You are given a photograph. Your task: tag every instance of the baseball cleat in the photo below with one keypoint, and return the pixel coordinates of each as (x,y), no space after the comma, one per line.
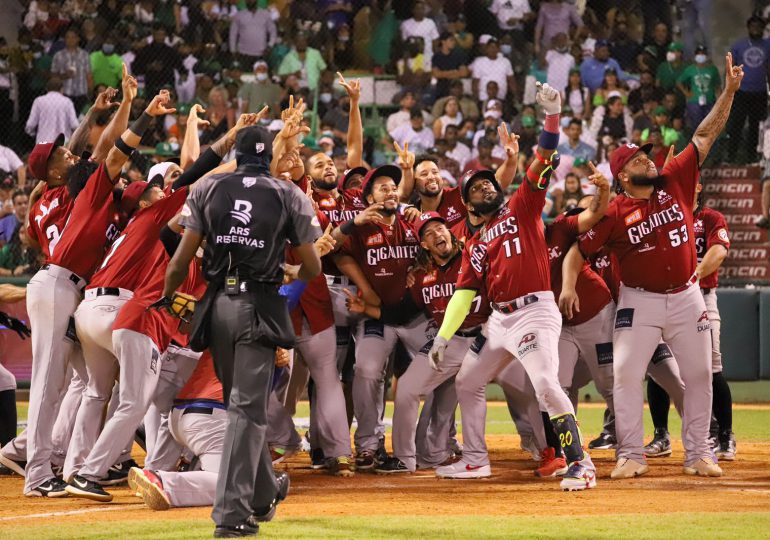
(268,513)
(118,473)
(150,487)
(605,441)
(578,478)
(86,489)
(529,444)
(317,459)
(462,470)
(456,447)
(250,527)
(365,460)
(279,455)
(340,466)
(381,455)
(53,488)
(727,448)
(392,465)
(550,465)
(628,468)
(660,445)
(19,467)
(703,467)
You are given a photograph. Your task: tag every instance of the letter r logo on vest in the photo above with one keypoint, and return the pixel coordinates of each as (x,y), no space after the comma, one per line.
(241,211)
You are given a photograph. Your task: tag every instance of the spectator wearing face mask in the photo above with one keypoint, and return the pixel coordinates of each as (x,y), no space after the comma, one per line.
(668,72)
(559,60)
(262,91)
(555,17)
(106,65)
(341,50)
(700,83)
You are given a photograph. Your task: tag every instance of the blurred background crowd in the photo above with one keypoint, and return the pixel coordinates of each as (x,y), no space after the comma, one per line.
(444,74)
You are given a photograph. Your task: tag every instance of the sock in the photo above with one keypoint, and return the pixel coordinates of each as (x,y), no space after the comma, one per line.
(659,403)
(7,416)
(550,435)
(566,427)
(722,405)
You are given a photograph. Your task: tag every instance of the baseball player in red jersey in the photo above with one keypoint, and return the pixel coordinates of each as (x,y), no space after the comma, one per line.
(448,202)
(384,245)
(509,257)
(651,227)
(712,243)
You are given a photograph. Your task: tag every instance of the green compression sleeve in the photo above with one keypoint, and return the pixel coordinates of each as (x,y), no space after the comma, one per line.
(459,306)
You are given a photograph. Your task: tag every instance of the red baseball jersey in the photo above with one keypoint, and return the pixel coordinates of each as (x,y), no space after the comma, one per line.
(653,238)
(432,291)
(509,255)
(710,230)
(385,254)
(605,264)
(452,207)
(463,231)
(591,290)
(315,304)
(48,216)
(203,384)
(138,252)
(337,210)
(90,228)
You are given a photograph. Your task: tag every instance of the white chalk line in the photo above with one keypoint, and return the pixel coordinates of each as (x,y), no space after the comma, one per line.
(70,512)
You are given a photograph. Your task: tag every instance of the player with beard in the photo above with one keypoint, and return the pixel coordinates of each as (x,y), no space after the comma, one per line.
(449,202)
(384,245)
(650,226)
(509,258)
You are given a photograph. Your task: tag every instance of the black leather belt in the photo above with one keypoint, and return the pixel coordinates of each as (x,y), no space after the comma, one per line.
(510,307)
(470,332)
(706,290)
(198,410)
(74,278)
(254,286)
(107,291)
(337,280)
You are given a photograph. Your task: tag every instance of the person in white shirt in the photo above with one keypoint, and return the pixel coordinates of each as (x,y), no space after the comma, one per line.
(422,27)
(559,61)
(10,162)
(51,114)
(415,133)
(492,67)
(401,117)
(510,13)
(455,149)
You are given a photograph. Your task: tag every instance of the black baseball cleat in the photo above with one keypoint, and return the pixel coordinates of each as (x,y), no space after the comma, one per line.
(365,460)
(53,488)
(604,441)
(392,465)
(19,467)
(660,446)
(267,513)
(86,489)
(381,456)
(726,447)
(248,528)
(118,473)
(317,459)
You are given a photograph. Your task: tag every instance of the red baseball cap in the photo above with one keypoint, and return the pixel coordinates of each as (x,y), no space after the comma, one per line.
(389,171)
(426,218)
(348,174)
(129,201)
(41,153)
(623,155)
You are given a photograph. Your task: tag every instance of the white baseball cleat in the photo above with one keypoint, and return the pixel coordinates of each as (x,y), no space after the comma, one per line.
(462,470)
(703,467)
(628,468)
(578,478)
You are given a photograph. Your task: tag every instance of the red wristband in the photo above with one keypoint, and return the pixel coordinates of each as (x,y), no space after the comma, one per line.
(551,123)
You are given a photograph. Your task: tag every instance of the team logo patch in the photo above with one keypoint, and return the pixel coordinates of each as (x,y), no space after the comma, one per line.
(408,234)
(478,344)
(604,353)
(259,147)
(241,211)
(633,217)
(249,181)
(554,253)
(624,318)
(663,197)
(722,234)
(527,344)
(662,353)
(703,323)
(374,328)
(375,239)
(429,278)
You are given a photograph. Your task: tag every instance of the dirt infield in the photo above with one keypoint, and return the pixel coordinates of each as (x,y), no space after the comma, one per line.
(513,490)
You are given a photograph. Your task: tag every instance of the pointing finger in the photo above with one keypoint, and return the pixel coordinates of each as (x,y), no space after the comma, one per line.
(593,167)
(328,229)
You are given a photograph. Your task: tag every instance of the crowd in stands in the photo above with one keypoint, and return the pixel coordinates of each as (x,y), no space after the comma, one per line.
(639,71)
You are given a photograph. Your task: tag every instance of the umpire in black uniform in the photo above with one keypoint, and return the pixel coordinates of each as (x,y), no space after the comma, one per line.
(246,219)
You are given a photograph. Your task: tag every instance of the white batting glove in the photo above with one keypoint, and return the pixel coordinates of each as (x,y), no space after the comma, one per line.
(436,354)
(548,98)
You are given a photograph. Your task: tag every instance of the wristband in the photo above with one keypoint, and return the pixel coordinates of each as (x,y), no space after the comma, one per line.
(548,140)
(141,124)
(348,227)
(124,147)
(551,123)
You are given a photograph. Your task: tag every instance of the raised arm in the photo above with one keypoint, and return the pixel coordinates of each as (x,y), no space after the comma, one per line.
(507,171)
(711,126)
(591,215)
(406,162)
(369,215)
(355,126)
(79,139)
(550,100)
(191,145)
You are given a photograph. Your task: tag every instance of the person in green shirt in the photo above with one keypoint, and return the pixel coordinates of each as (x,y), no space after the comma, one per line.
(106,65)
(304,62)
(668,72)
(668,134)
(700,84)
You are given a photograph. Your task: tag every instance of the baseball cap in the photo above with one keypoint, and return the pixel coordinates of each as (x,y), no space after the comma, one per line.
(159,169)
(183,109)
(164,149)
(349,174)
(41,153)
(467,179)
(254,141)
(260,63)
(660,109)
(623,154)
(700,49)
(445,35)
(326,139)
(675,46)
(426,218)
(601,43)
(133,192)
(486,38)
(579,162)
(389,171)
